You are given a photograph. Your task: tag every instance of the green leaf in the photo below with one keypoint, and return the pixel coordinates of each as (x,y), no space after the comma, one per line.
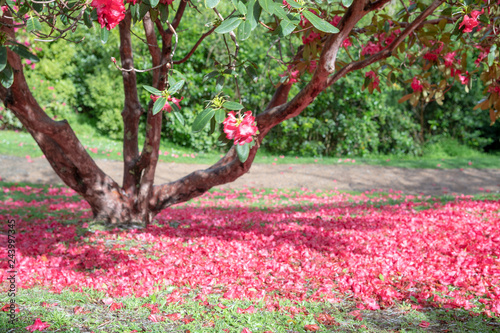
(202,119)
(381,277)
(253,15)
(241,8)
(7,77)
(220,115)
(492,54)
(243,152)
(152,90)
(213,125)
(33,24)
(159,104)
(287,27)
(3,57)
(319,24)
(279,11)
(143,10)
(250,70)
(245,30)
(176,87)
(177,113)
(232,106)
(23,51)
(104,35)
(347,3)
(163,12)
(267,5)
(37,6)
(210,75)
(211,3)
(220,83)
(228,25)
(87,20)
(296,5)
(154,3)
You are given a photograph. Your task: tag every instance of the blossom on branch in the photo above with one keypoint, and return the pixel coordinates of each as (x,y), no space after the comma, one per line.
(109,12)
(372,75)
(416,85)
(471,22)
(240,129)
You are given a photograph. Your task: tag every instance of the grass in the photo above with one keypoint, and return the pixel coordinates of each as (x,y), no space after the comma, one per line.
(209,317)
(445,155)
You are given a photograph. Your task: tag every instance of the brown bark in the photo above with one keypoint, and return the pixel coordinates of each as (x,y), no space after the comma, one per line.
(131,111)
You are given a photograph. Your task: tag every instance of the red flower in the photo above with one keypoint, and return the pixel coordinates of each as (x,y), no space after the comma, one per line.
(311,38)
(167,2)
(109,12)
(416,85)
(374,77)
(464,79)
(115,306)
(449,58)
(241,130)
(37,325)
(371,48)
(471,22)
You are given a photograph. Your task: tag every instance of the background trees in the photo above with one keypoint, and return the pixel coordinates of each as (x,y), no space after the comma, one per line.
(420,49)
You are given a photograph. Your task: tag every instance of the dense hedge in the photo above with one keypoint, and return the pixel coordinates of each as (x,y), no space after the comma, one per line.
(78,82)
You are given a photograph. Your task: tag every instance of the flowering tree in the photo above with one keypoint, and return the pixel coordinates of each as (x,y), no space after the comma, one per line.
(428,45)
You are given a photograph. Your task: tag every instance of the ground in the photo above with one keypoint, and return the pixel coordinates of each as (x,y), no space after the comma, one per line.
(343,177)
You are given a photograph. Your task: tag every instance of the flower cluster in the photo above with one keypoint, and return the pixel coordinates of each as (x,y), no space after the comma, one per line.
(372,75)
(382,42)
(240,129)
(168,107)
(416,85)
(109,12)
(469,23)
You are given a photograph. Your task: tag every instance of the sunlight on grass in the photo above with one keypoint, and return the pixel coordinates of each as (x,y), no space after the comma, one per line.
(22,144)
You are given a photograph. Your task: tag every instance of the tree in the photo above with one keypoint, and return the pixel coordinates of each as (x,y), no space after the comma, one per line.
(333,39)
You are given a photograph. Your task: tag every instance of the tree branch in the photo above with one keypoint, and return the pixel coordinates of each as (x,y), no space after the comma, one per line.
(387,52)
(205,35)
(131,110)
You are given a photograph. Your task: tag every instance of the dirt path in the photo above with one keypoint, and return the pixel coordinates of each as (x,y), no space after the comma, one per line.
(312,176)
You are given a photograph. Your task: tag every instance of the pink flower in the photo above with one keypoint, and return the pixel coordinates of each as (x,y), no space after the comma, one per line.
(311,37)
(38,325)
(241,130)
(336,20)
(449,58)
(372,75)
(109,12)
(481,57)
(471,22)
(347,42)
(416,85)
(292,75)
(371,48)
(464,79)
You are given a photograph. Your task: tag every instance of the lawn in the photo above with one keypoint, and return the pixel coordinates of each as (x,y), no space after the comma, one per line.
(22,144)
(257,261)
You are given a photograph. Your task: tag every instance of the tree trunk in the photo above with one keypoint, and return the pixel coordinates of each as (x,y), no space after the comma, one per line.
(138,200)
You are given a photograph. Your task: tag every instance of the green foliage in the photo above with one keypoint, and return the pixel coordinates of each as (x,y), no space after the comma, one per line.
(78,82)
